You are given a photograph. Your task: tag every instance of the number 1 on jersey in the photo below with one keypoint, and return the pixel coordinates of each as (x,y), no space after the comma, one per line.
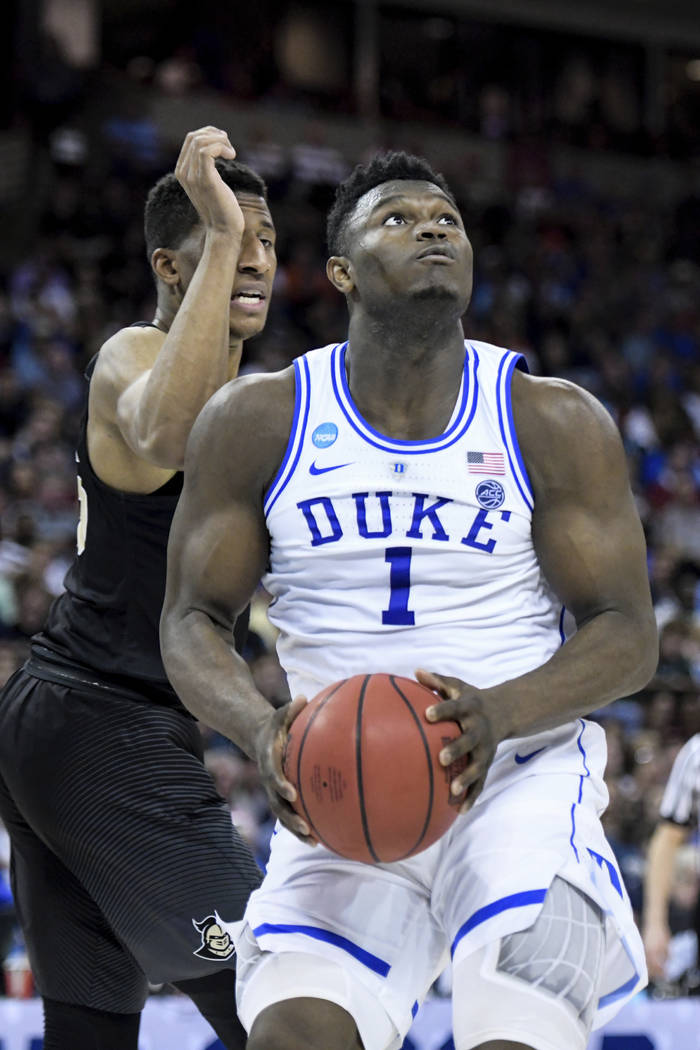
(399,560)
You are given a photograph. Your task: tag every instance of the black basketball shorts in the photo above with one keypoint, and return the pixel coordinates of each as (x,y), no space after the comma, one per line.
(125,865)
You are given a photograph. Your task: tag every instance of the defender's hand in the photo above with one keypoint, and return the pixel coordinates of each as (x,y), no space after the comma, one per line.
(196,172)
(271,743)
(463,703)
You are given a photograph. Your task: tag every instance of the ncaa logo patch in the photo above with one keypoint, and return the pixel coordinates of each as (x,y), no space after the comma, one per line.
(490,494)
(324,435)
(217,942)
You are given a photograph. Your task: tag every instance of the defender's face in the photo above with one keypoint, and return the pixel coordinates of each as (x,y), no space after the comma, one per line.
(257,262)
(408,240)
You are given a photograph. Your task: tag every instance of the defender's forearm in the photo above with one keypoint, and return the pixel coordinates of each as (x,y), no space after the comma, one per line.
(195,359)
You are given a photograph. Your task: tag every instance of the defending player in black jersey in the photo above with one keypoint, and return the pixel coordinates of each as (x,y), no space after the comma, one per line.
(126,868)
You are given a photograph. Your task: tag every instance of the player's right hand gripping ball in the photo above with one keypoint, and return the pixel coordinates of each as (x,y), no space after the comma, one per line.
(364,761)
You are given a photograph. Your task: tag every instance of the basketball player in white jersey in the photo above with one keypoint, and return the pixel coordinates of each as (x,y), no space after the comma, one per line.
(411,501)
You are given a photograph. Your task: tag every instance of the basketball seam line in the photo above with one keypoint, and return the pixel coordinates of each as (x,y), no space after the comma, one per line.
(431,776)
(358,764)
(301,748)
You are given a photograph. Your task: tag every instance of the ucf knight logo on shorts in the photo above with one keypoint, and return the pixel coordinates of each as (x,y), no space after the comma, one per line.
(217,942)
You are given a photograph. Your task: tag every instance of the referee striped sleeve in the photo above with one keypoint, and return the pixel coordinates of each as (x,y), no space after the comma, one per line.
(682,794)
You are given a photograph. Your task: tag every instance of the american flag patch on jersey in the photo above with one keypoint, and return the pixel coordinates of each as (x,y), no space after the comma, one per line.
(485,463)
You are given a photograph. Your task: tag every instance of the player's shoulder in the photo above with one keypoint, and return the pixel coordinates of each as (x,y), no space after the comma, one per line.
(125,355)
(566,435)
(250,417)
(264,397)
(551,407)
(134,338)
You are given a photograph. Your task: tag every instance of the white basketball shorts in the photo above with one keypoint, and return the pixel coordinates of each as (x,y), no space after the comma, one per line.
(392,928)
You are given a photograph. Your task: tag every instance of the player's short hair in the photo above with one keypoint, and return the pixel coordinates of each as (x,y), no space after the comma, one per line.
(384,167)
(169,215)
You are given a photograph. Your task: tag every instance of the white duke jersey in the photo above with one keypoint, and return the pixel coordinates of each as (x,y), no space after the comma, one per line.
(388,555)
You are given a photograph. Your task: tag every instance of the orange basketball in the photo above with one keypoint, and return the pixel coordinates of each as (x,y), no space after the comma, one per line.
(364,761)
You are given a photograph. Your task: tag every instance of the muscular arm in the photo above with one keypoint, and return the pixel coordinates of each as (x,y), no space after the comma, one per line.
(661,856)
(590,545)
(217,553)
(155,411)
(149,386)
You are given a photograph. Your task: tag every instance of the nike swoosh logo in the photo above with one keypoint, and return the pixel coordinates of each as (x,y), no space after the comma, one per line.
(520,759)
(313,469)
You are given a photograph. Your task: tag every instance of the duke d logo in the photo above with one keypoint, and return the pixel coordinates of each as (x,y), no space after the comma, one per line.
(217,942)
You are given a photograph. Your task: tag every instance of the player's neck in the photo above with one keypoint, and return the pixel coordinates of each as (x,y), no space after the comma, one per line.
(160,322)
(405,343)
(407,389)
(163,317)
(235,351)
(406,327)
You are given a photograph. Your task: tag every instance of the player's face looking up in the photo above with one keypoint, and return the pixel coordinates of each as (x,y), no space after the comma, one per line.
(257,262)
(406,240)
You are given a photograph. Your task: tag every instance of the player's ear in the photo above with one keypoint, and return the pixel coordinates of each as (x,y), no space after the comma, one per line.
(340,273)
(164,265)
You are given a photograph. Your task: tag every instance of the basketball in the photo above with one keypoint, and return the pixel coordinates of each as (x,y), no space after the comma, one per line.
(364,761)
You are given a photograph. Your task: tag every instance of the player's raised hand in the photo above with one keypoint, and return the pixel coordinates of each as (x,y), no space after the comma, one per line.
(463,703)
(196,172)
(270,748)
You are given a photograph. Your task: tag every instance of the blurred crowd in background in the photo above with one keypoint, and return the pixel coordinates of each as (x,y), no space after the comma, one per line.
(600,289)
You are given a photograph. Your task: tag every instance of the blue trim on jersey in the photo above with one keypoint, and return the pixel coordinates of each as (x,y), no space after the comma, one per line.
(372,962)
(620,992)
(562,635)
(573,831)
(627,987)
(302,399)
(507,426)
(612,871)
(414,1009)
(456,430)
(583,756)
(581,779)
(511,421)
(514,900)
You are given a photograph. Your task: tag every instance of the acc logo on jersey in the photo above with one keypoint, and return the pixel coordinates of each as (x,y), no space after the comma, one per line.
(490,494)
(324,435)
(216,939)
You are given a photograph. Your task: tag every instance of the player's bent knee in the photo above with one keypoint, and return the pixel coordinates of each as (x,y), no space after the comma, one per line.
(537,988)
(304,1024)
(291,999)
(500,1045)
